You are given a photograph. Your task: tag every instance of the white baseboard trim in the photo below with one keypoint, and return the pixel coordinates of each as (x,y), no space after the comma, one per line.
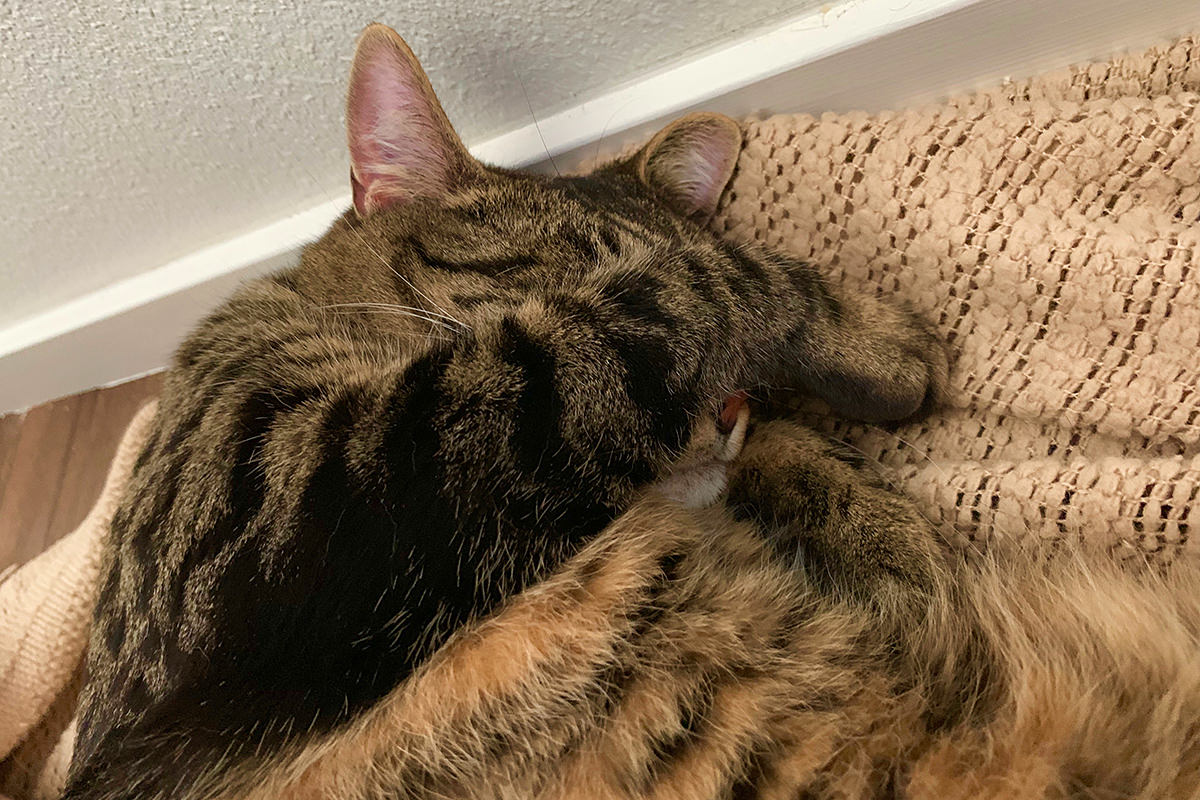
(859,54)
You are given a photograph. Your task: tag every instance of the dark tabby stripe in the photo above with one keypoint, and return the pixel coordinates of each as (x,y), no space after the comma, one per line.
(483,266)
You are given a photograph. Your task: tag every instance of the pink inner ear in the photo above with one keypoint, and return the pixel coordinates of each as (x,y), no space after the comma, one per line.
(400,145)
(703,171)
(693,162)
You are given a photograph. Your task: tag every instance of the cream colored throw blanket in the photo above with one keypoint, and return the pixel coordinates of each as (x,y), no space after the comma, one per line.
(1051,230)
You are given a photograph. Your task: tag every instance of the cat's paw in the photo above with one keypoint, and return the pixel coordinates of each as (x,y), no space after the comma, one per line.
(922,364)
(897,367)
(875,362)
(856,537)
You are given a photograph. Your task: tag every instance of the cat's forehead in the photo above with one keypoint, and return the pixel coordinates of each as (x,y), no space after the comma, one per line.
(511,202)
(507,209)
(610,189)
(610,195)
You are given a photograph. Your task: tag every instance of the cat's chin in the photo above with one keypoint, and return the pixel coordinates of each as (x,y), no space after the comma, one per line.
(700,477)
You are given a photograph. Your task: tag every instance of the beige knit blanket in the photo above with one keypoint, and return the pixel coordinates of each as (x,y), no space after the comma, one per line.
(1051,230)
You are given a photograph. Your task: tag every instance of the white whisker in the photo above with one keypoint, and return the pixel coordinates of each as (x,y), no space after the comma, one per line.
(398,307)
(385,308)
(420,295)
(996,512)
(536,126)
(884,473)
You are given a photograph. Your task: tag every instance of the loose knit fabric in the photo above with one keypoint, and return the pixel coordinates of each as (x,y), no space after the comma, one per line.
(1049,228)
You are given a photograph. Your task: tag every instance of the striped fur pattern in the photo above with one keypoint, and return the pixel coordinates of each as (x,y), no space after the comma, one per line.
(410,523)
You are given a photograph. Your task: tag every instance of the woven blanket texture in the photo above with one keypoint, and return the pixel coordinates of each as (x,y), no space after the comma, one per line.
(1049,228)
(1051,231)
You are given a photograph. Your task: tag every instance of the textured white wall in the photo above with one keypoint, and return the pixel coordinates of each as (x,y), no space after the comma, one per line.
(133,134)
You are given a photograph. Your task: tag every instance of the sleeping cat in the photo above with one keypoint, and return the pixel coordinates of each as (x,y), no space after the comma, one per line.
(469,504)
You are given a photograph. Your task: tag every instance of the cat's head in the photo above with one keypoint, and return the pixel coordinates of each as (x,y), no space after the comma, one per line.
(438,242)
(416,188)
(404,149)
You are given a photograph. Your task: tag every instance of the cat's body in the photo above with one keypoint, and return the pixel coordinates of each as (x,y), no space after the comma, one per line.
(679,657)
(370,549)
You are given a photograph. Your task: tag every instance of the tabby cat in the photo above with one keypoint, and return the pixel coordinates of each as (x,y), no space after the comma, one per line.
(468,504)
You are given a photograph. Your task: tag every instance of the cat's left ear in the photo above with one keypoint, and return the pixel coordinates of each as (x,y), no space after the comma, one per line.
(402,146)
(689,162)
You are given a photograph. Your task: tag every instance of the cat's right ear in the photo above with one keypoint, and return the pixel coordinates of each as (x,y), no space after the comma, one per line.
(402,146)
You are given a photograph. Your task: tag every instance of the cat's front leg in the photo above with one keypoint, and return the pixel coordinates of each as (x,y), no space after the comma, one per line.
(868,358)
(874,361)
(853,537)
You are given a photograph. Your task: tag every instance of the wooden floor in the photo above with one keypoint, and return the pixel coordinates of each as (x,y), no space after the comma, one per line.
(53,460)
